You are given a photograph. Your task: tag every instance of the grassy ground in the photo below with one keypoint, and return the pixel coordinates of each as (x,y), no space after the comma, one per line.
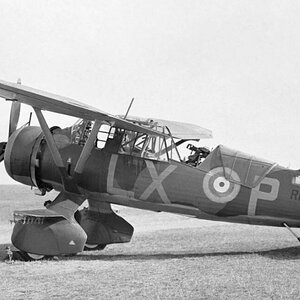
(170,257)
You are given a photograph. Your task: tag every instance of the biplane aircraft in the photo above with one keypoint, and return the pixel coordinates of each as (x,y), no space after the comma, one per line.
(129,161)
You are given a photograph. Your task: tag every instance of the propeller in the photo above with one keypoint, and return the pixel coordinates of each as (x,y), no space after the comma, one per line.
(13,123)
(2,149)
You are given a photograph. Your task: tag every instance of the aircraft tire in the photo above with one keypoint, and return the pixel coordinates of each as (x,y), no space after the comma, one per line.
(90,247)
(35,256)
(25,256)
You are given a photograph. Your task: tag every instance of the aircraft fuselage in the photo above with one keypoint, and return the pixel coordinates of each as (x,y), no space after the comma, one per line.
(271,198)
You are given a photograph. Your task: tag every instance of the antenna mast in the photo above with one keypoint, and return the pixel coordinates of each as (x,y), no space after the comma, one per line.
(128,108)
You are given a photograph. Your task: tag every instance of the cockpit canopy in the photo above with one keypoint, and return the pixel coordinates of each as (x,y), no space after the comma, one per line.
(123,141)
(158,139)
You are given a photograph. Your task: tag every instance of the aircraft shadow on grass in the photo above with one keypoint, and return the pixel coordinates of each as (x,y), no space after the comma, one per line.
(287,253)
(278,254)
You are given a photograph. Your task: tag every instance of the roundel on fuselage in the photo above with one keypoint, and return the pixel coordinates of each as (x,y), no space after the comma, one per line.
(217,188)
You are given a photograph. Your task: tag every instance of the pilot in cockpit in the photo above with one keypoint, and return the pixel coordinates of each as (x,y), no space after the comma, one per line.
(197,154)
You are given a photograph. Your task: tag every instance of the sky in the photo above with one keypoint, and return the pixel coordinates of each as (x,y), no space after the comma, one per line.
(230,66)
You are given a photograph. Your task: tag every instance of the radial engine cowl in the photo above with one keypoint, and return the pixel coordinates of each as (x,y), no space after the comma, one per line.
(18,153)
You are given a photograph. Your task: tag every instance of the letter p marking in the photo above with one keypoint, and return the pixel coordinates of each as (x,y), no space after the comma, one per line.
(256,193)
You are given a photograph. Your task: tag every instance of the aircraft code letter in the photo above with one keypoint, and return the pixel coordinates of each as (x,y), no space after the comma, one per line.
(256,193)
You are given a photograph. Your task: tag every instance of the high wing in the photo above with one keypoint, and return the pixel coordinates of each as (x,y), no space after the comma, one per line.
(179,130)
(63,105)
(186,131)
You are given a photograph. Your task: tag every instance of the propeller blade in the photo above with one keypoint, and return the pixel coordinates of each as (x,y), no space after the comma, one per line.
(2,148)
(14,116)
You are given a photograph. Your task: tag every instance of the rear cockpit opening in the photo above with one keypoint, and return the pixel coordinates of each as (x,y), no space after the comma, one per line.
(197,155)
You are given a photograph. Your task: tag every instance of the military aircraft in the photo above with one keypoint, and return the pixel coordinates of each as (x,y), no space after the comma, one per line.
(130,161)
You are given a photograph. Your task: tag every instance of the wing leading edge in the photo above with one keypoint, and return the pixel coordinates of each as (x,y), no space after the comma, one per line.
(179,130)
(63,105)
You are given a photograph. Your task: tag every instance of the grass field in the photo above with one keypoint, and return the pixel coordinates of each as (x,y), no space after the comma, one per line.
(170,257)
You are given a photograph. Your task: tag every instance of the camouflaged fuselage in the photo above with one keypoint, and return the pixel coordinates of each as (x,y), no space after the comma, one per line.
(228,185)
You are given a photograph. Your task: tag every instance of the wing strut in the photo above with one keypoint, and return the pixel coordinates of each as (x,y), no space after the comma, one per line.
(49,138)
(87,149)
(69,182)
(291,231)
(69,185)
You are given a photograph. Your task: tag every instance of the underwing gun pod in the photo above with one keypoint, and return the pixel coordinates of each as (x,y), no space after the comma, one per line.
(134,162)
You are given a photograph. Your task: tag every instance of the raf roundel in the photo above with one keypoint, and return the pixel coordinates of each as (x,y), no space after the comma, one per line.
(217,188)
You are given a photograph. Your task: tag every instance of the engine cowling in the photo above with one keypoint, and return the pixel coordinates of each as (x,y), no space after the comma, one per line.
(19,158)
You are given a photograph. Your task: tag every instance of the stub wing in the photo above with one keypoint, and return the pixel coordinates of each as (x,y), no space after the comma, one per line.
(37,213)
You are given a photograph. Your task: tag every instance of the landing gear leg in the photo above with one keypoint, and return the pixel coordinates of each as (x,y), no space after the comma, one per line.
(291,231)
(103,226)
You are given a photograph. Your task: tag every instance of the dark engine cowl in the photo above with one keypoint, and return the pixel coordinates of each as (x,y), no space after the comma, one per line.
(18,154)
